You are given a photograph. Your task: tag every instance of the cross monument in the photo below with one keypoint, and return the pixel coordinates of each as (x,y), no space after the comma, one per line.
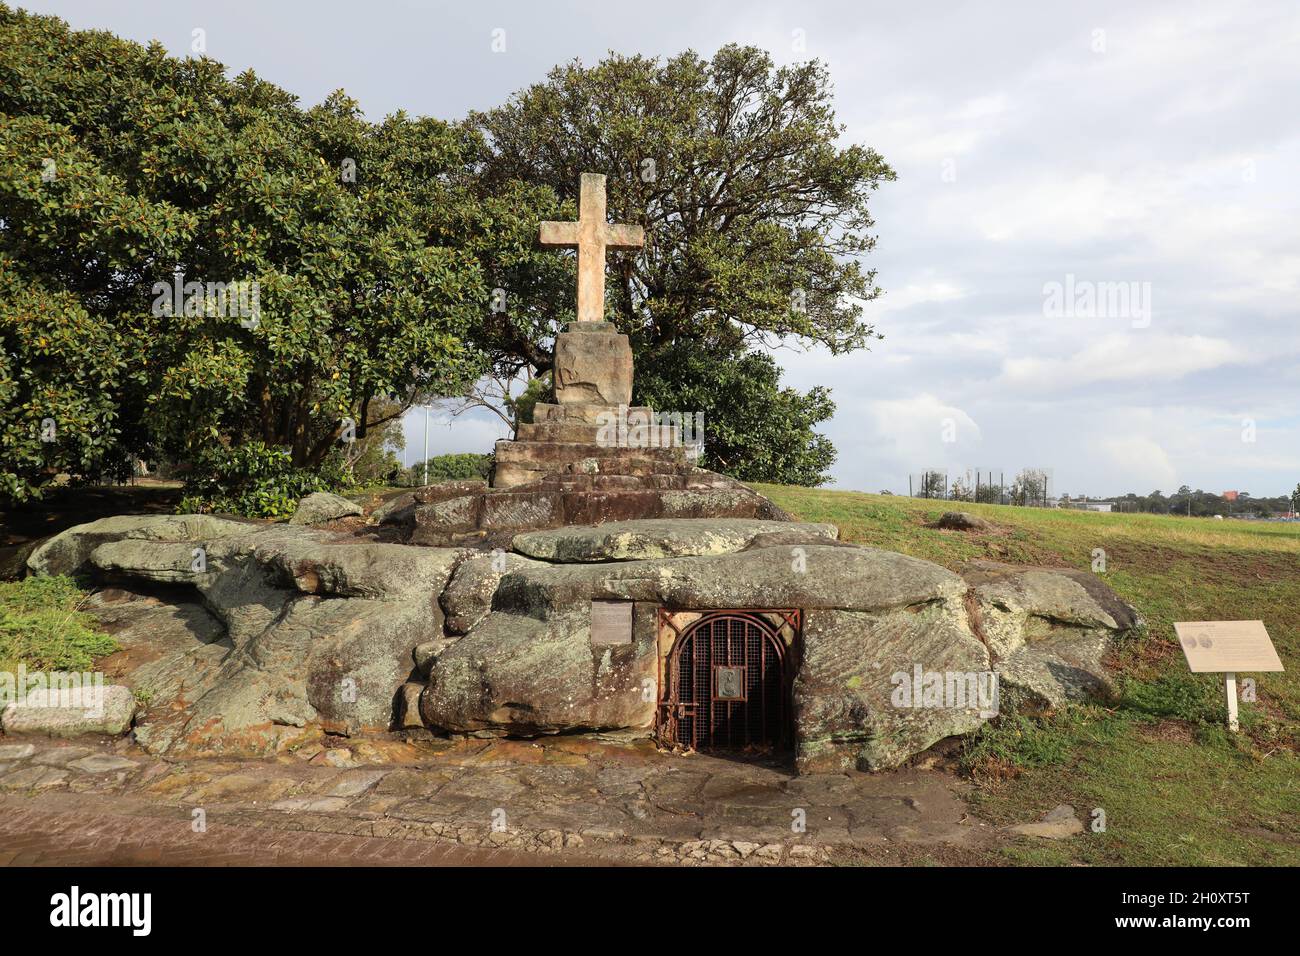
(591,235)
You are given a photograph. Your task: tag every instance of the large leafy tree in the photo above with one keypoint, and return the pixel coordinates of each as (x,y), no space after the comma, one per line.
(756,221)
(754,429)
(122,167)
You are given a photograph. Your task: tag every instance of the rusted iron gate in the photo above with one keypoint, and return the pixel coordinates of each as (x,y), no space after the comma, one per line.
(728,682)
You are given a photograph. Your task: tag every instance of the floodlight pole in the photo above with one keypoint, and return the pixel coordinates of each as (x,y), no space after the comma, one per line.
(426,445)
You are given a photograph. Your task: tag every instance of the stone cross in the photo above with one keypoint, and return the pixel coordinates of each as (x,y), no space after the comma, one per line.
(591,235)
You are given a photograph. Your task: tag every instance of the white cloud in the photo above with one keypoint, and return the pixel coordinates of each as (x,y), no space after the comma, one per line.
(1118,357)
(922,427)
(916,293)
(1143,462)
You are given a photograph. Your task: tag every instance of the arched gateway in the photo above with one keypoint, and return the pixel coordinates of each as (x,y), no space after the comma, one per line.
(727,683)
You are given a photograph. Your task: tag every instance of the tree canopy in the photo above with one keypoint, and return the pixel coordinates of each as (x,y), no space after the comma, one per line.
(126,173)
(191,262)
(755,221)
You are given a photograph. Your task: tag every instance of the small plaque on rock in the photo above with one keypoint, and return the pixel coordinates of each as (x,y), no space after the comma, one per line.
(611,622)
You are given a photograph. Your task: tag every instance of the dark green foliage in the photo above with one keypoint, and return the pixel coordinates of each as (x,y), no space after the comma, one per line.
(256,481)
(121,166)
(754,429)
(457,467)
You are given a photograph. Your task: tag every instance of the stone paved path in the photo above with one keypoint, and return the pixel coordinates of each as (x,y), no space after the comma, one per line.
(467,802)
(76,830)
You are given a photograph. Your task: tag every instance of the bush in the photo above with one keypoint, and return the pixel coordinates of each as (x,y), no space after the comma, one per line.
(538,390)
(460,467)
(41,628)
(255,481)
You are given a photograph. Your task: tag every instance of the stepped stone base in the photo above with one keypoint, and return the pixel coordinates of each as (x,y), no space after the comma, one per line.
(643,436)
(591,413)
(488,518)
(522,462)
(588,438)
(585,459)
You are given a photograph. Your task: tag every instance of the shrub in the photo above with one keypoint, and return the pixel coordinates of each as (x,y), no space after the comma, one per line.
(255,481)
(459,467)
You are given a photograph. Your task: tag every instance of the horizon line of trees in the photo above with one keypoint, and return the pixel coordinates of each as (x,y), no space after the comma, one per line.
(1030,488)
(1198,503)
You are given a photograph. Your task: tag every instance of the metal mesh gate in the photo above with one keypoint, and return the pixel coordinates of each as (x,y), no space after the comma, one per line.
(727,685)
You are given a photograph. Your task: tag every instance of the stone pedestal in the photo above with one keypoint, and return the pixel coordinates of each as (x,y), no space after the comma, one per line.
(593,365)
(589,430)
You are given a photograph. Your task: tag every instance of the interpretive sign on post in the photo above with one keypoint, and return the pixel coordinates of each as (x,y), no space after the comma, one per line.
(1228,648)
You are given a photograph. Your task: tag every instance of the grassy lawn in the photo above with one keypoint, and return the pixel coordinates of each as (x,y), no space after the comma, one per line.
(1176,788)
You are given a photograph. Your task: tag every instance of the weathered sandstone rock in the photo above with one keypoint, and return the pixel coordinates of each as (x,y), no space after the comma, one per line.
(659,538)
(468,598)
(281,631)
(71,712)
(960,521)
(321,506)
(517,674)
(800,576)
(593,364)
(1048,629)
(318,628)
(67,552)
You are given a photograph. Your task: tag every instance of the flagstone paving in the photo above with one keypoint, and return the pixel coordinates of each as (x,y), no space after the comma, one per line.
(558,800)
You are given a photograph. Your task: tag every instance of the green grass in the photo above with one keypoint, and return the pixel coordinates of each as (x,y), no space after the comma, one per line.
(1176,787)
(42,628)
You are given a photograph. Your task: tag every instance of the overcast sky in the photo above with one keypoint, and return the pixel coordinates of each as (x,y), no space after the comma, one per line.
(1151,144)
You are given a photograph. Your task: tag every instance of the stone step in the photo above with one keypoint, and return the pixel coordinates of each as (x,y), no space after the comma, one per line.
(560,431)
(511,474)
(592,413)
(634,436)
(581,457)
(575,450)
(506,510)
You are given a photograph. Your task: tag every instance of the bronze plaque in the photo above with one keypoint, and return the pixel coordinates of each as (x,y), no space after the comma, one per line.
(1227,647)
(611,622)
(728,682)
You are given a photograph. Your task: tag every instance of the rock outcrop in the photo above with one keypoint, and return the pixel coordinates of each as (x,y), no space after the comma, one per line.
(661,538)
(1048,629)
(960,521)
(297,630)
(318,628)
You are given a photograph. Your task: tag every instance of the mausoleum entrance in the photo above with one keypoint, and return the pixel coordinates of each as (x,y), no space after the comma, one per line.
(727,678)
